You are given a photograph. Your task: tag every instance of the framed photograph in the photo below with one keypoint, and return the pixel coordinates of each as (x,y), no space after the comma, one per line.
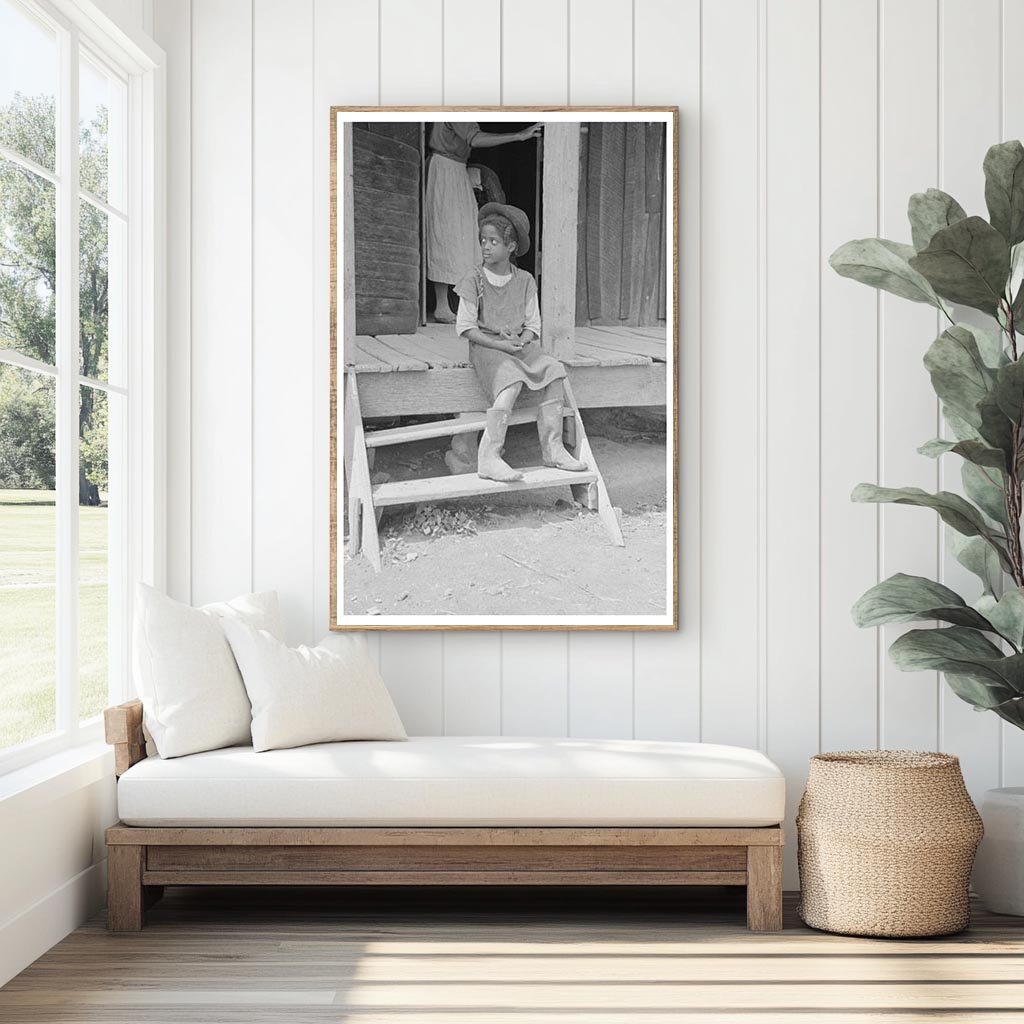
(504,351)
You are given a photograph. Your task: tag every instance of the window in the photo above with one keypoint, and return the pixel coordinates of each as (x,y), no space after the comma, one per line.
(76,353)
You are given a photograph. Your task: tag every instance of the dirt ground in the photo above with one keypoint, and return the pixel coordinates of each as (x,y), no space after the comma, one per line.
(525,553)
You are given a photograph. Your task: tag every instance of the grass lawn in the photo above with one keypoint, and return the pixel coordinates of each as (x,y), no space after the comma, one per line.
(28,614)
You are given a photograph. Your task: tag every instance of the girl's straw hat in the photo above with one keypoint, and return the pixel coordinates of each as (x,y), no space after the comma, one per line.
(519,220)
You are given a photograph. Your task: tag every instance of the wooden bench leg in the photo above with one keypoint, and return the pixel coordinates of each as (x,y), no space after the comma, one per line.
(125,896)
(764,888)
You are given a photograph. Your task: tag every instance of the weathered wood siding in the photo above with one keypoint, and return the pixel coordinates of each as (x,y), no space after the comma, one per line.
(620,272)
(386,198)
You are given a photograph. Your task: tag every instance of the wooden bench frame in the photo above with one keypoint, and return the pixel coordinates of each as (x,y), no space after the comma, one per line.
(142,860)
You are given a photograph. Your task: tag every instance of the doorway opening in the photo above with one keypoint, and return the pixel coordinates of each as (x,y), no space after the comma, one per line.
(516,169)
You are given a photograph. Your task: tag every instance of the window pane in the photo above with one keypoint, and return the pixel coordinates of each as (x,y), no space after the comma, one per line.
(28,85)
(93,551)
(28,545)
(28,263)
(101,103)
(101,282)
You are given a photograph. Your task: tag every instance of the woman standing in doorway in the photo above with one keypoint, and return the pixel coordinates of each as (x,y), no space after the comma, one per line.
(452,242)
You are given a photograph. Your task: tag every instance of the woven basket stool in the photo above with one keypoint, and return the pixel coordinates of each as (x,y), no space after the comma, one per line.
(885,844)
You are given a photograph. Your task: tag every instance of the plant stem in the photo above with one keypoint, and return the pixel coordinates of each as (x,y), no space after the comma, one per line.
(1012,495)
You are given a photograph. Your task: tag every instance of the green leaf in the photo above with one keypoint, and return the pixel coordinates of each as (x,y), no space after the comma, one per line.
(952,509)
(1006,614)
(976,452)
(930,212)
(883,264)
(903,598)
(980,692)
(1016,309)
(996,428)
(1013,285)
(967,263)
(1004,189)
(990,345)
(1011,711)
(962,430)
(986,488)
(976,555)
(964,652)
(1009,390)
(958,372)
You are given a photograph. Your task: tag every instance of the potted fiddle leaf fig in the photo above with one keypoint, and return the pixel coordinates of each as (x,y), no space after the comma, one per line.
(956,260)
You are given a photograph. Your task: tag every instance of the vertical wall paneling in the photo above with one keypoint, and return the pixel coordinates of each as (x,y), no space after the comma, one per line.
(472,74)
(472,684)
(601,72)
(413,666)
(666,667)
(909,414)
(968,125)
(600,51)
(173,29)
(534,52)
(600,684)
(534,667)
(792,416)
(1011,112)
(472,52)
(221,370)
(411,72)
(344,51)
(535,690)
(283,338)
(729,283)
(849,369)
(410,52)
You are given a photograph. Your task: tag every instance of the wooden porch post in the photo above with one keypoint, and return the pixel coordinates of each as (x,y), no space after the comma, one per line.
(558,254)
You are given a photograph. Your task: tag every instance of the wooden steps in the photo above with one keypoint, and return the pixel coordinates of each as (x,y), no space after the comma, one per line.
(468,485)
(468,424)
(366,501)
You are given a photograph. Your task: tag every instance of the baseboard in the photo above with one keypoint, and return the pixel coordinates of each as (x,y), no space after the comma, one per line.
(25,938)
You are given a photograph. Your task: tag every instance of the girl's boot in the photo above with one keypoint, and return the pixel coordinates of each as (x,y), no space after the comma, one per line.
(489,463)
(549,430)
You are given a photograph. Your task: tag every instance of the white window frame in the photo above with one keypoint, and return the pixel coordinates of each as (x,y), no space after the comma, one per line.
(141,64)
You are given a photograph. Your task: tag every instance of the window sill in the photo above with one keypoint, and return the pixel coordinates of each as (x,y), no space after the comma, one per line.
(55,776)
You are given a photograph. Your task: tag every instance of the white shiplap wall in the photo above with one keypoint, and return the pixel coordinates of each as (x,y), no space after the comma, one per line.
(804,123)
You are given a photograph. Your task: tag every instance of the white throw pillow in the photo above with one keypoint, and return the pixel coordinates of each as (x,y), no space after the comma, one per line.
(191,690)
(310,694)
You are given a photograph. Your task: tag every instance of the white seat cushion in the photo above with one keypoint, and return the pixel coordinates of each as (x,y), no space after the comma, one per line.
(459,780)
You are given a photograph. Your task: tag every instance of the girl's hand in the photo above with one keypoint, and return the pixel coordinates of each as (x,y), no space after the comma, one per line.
(512,340)
(532,132)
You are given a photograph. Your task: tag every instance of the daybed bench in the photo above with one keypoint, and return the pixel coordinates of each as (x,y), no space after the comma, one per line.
(450,810)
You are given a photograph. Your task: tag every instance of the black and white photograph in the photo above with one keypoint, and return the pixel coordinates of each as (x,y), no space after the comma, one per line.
(503,353)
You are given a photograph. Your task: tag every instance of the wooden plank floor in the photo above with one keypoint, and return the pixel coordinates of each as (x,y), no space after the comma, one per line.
(435,347)
(609,956)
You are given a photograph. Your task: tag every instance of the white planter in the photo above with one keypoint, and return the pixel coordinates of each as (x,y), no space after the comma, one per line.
(999,866)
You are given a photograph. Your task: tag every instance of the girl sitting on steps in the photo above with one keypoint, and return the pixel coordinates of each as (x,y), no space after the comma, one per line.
(499,315)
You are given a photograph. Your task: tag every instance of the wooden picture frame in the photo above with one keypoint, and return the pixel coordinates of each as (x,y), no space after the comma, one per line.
(605,177)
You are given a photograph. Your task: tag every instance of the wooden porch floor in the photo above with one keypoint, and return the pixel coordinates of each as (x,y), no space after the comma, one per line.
(436,347)
(429,372)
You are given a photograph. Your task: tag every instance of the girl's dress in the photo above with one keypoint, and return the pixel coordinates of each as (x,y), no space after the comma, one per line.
(489,305)
(453,242)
